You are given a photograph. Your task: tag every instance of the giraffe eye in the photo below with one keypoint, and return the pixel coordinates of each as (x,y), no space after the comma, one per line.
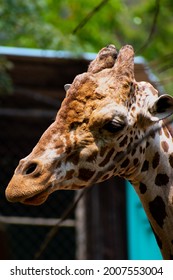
(113,126)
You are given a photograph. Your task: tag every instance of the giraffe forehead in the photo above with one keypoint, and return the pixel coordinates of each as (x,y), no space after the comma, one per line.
(89,89)
(88,102)
(87,106)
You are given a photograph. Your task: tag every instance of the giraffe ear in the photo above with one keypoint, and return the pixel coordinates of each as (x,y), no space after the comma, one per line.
(162,107)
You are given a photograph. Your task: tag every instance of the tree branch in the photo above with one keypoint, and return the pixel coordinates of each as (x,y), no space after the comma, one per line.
(153,27)
(89,16)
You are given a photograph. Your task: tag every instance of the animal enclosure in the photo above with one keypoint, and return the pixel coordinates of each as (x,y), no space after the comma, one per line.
(89,232)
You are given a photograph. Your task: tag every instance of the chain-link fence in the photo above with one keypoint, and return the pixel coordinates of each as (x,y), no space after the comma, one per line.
(23,228)
(97,228)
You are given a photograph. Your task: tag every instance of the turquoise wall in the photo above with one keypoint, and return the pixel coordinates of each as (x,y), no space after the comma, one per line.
(141,241)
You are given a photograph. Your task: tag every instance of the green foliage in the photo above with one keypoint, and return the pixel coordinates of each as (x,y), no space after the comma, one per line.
(50,24)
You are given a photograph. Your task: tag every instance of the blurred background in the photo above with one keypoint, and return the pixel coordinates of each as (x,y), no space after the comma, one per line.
(44,44)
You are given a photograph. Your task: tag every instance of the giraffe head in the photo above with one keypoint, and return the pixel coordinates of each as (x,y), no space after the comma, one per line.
(105,112)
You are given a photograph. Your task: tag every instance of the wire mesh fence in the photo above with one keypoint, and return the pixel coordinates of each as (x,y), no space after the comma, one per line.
(23,228)
(97,228)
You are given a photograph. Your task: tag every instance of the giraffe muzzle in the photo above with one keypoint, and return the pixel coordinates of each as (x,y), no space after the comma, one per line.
(30,184)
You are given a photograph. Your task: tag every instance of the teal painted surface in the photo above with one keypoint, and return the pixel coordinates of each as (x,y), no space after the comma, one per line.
(141,241)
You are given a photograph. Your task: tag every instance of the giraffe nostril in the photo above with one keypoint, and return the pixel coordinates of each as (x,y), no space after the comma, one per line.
(30,168)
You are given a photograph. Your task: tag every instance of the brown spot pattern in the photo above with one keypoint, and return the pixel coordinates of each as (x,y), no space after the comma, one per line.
(105,177)
(69,174)
(157,209)
(165,146)
(136,137)
(85,174)
(74,158)
(145,166)
(107,158)
(124,141)
(142,188)
(119,156)
(161,179)
(125,163)
(152,134)
(156,160)
(133,151)
(147,144)
(136,161)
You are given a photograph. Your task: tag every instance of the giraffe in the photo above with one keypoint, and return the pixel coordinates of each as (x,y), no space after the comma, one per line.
(108,124)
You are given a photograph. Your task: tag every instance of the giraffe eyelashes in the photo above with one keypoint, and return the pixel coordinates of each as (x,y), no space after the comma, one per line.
(113,126)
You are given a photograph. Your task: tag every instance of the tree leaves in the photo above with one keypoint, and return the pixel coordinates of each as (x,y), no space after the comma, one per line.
(50,24)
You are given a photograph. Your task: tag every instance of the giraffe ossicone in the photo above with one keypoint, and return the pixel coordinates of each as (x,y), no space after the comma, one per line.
(67,86)
(100,131)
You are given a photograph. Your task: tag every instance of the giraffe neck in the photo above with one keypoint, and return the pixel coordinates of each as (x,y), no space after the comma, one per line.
(154,185)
